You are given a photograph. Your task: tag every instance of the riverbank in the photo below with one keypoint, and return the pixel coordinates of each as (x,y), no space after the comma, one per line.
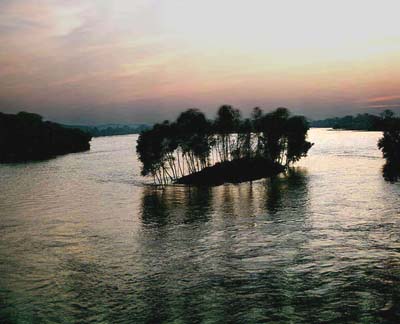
(26,137)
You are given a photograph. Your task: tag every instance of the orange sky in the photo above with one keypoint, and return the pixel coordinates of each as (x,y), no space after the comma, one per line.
(127,61)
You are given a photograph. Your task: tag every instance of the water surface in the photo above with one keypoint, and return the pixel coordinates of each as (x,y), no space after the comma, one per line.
(84,240)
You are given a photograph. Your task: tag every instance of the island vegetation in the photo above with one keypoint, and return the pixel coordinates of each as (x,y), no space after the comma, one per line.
(389,144)
(195,150)
(25,136)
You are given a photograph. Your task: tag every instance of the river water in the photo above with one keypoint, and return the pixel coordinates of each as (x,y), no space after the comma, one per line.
(84,240)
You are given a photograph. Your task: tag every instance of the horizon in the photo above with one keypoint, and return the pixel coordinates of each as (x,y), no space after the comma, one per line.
(208,116)
(145,61)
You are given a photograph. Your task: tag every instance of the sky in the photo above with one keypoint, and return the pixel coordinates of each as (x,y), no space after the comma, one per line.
(127,61)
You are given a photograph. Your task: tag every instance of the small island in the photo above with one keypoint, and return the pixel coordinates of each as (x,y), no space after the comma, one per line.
(26,137)
(197,151)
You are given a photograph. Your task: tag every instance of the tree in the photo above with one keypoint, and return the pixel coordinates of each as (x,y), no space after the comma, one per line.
(387,114)
(389,144)
(256,119)
(193,138)
(296,134)
(273,127)
(25,136)
(169,151)
(226,123)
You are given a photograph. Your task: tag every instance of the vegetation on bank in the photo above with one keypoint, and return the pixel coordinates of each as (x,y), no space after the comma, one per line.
(367,122)
(25,136)
(265,144)
(389,144)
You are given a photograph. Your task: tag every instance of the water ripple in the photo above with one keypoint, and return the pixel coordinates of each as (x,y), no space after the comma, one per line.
(84,239)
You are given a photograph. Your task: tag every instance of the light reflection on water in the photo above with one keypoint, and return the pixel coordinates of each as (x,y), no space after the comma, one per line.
(82,239)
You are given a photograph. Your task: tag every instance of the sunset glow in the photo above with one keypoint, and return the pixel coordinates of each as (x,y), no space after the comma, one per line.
(142,60)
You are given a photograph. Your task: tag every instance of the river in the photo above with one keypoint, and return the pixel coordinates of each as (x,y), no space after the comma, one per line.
(83,239)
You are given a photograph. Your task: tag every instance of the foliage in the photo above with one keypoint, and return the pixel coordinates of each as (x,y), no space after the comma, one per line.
(389,144)
(170,151)
(25,136)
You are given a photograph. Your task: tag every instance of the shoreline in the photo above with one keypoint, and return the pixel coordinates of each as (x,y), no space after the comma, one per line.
(235,171)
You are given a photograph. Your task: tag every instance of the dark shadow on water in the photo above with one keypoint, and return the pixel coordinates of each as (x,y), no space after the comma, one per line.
(290,189)
(175,204)
(184,204)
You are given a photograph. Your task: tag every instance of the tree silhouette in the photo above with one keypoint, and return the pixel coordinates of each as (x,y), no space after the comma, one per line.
(389,144)
(193,131)
(25,136)
(226,123)
(172,151)
(273,134)
(296,134)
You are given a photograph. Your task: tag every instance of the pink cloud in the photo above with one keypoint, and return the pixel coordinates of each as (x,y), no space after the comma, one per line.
(384,98)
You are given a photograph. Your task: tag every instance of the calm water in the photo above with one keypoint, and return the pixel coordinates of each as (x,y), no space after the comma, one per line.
(83,240)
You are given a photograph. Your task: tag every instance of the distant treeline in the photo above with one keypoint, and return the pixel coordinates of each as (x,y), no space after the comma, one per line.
(389,144)
(111,130)
(366,122)
(25,136)
(172,151)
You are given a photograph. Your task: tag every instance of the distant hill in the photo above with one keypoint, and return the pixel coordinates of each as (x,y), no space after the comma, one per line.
(25,136)
(366,122)
(111,129)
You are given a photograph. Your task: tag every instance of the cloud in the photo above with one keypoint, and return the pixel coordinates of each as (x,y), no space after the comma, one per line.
(384,102)
(78,54)
(71,60)
(384,98)
(389,106)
